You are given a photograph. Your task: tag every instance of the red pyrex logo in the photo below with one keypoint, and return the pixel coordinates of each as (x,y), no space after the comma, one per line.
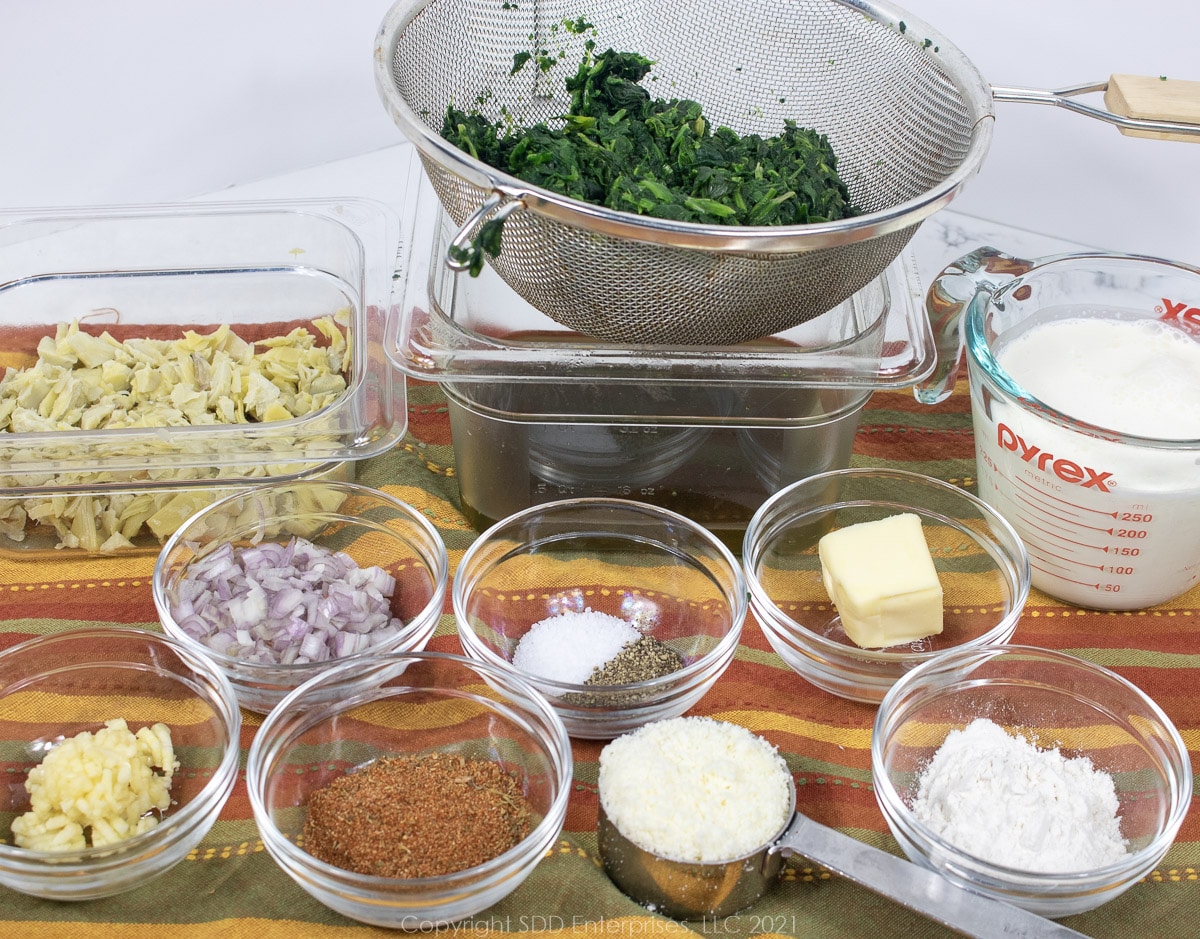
(1181,313)
(1067,470)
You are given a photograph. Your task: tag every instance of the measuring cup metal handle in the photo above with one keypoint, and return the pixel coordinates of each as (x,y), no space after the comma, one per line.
(949,296)
(917,888)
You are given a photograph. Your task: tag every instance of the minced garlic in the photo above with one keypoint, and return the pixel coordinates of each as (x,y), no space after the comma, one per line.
(95,789)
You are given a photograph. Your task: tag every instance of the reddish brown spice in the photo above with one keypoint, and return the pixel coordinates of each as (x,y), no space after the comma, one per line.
(417,816)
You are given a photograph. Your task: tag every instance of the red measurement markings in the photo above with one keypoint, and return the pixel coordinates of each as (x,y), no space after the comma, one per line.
(1049,522)
(1066,580)
(1041,561)
(1049,509)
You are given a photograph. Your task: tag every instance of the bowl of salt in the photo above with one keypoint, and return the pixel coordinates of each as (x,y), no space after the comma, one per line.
(620,613)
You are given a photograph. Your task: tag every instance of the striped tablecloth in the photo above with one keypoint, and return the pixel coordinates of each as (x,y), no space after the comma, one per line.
(230,886)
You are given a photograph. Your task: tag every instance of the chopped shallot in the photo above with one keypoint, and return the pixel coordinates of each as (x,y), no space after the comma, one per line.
(285,604)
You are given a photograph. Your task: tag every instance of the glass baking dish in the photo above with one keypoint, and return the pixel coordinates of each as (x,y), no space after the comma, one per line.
(539,413)
(262,269)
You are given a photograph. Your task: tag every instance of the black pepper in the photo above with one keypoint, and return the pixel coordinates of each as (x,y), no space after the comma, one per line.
(643,659)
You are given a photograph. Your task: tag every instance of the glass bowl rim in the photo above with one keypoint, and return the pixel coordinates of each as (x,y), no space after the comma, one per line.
(176,823)
(292,708)
(1175,772)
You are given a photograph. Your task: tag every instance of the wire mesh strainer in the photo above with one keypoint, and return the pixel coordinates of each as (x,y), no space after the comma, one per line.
(908,115)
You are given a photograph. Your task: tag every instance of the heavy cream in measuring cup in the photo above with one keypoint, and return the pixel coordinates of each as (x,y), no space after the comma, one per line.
(1107,523)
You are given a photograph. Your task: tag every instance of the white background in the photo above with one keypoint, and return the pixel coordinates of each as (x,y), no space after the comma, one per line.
(163,100)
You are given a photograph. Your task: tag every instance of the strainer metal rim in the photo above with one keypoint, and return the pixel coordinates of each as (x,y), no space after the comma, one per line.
(770,239)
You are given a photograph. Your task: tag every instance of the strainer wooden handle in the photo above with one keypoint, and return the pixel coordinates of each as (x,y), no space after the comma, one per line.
(1146,97)
(1139,105)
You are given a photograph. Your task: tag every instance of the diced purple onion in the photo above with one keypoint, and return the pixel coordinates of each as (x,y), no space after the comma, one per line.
(280,604)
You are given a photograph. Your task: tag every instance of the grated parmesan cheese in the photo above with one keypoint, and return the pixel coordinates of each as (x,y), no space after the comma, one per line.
(695,789)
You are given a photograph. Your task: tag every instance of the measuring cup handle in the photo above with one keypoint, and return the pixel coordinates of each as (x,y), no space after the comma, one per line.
(917,888)
(951,294)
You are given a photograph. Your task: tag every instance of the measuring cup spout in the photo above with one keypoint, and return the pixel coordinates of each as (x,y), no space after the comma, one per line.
(973,276)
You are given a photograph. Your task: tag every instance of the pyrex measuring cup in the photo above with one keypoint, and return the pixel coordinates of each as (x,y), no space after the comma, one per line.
(1110,514)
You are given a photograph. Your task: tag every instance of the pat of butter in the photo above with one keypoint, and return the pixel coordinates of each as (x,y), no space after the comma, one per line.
(881,578)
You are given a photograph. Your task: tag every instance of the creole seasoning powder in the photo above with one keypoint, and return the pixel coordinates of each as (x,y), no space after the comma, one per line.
(417,816)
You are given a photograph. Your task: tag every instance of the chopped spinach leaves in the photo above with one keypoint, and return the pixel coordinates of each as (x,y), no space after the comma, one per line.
(618,147)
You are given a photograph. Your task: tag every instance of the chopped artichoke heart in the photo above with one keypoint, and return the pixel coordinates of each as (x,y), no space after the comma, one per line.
(260,391)
(227,412)
(190,402)
(24,421)
(92,350)
(136,511)
(220,378)
(76,371)
(185,371)
(327,385)
(145,351)
(339,349)
(30,391)
(201,370)
(98,414)
(12,519)
(81,381)
(146,383)
(276,412)
(48,508)
(55,352)
(169,516)
(115,375)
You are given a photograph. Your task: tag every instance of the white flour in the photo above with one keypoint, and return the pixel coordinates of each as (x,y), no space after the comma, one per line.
(1001,799)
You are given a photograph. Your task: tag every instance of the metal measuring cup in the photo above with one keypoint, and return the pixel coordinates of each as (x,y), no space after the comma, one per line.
(686,890)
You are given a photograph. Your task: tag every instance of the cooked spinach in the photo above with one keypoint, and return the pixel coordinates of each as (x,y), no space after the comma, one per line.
(618,147)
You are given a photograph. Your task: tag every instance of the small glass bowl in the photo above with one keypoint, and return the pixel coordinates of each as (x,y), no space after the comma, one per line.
(668,576)
(54,687)
(980,561)
(397,704)
(370,526)
(1057,700)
